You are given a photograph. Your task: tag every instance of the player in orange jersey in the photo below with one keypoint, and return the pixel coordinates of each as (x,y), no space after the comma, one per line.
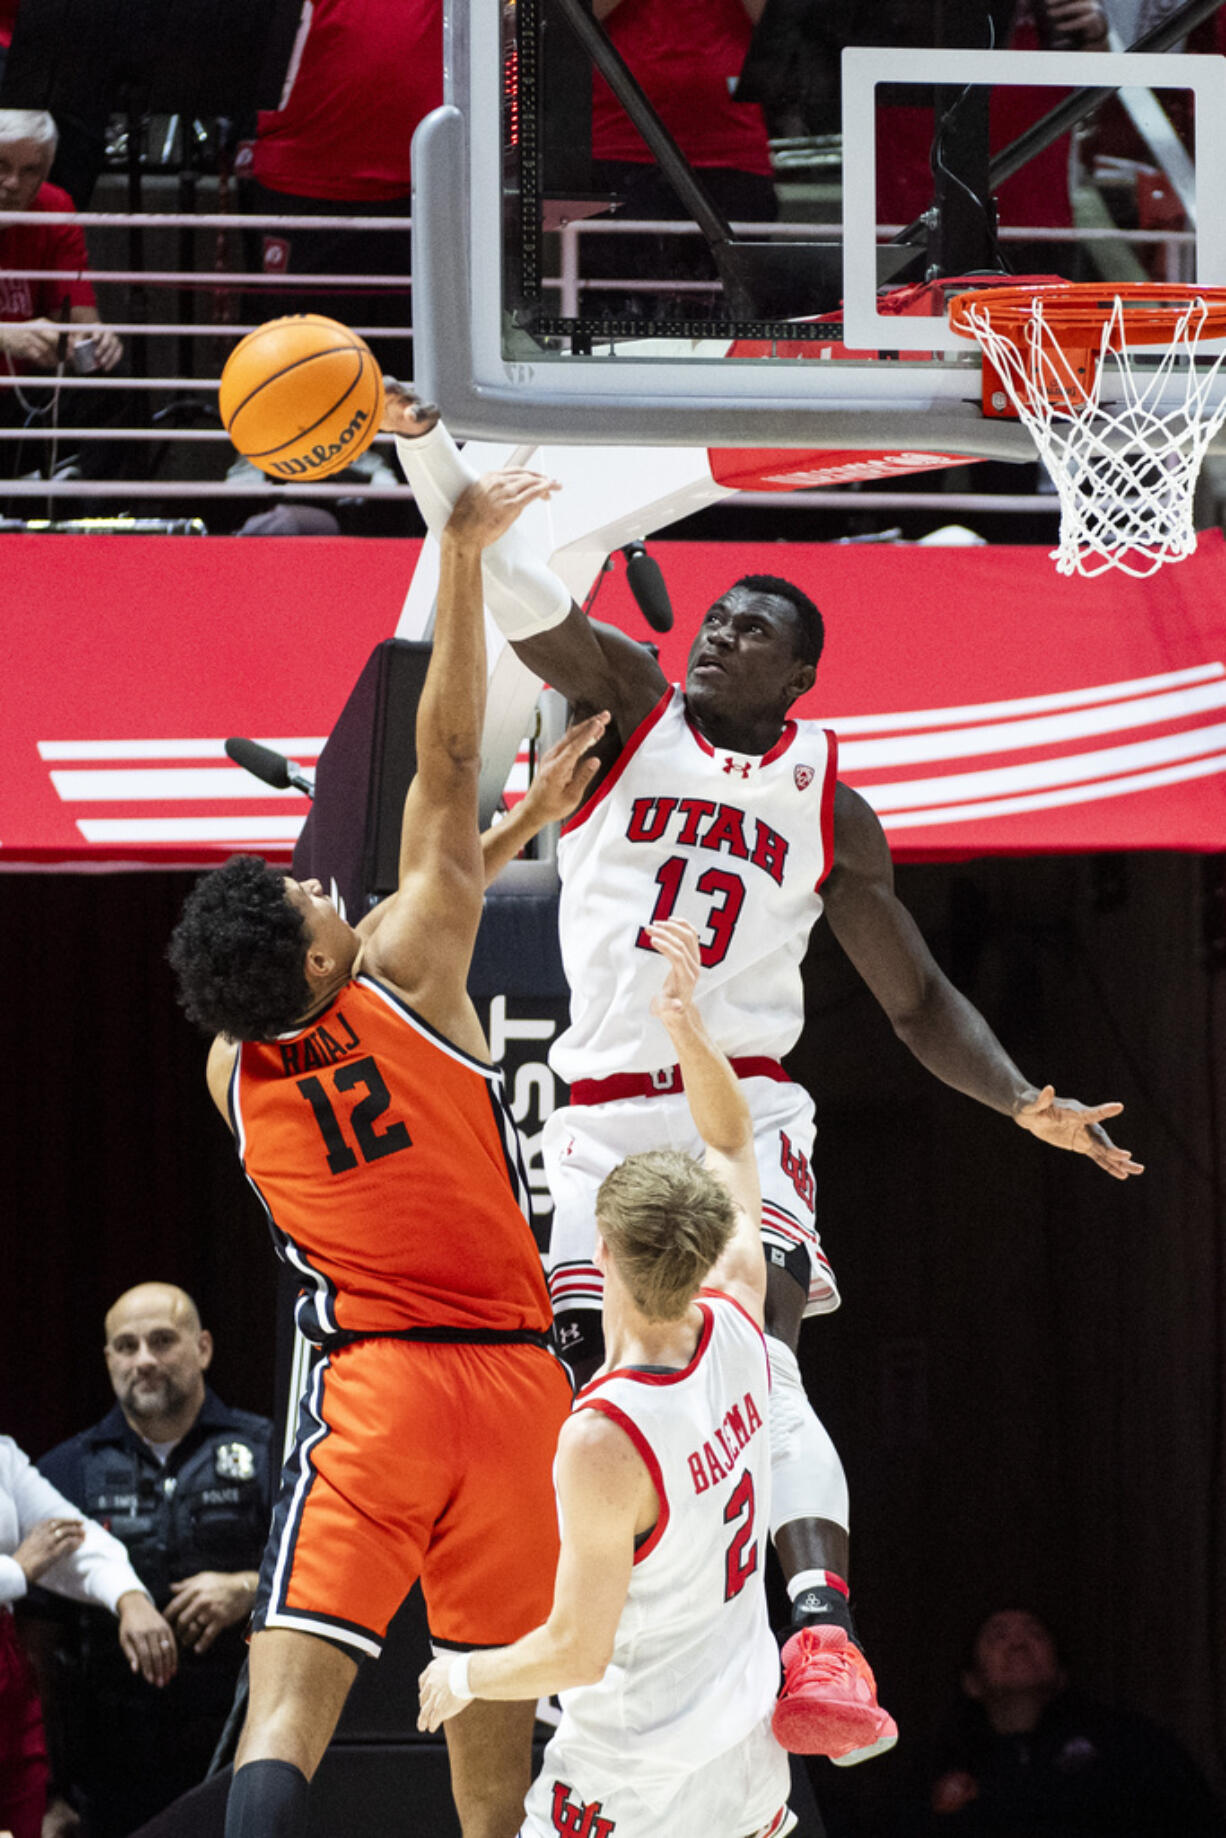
(354,1073)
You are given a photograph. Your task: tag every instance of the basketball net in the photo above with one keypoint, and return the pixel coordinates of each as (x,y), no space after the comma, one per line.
(1125,473)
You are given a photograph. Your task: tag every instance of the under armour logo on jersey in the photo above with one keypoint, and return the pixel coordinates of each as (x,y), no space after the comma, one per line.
(735,765)
(578,1821)
(804,776)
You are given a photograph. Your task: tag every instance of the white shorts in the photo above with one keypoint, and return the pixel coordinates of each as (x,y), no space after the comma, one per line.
(582,1143)
(741,1794)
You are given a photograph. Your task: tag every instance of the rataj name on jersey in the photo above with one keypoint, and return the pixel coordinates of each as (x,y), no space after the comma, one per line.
(316,1049)
(706,824)
(731,1436)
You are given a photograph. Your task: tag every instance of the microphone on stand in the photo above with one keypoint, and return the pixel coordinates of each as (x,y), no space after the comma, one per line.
(272,768)
(646,583)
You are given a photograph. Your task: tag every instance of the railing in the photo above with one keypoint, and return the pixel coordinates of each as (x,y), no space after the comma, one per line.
(184,394)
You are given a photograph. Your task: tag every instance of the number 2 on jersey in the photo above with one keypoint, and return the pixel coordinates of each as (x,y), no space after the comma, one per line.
(373,1143)
(741,1557)
(728,896)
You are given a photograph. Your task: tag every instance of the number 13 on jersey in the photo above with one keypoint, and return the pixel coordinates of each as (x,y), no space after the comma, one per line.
(727,896)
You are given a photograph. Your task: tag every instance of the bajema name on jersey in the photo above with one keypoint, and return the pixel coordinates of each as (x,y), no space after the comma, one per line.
(705,824)
(715,1460)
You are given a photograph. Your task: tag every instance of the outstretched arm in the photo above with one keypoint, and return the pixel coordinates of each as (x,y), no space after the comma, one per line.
(720,1112)
(604,1495)
(560,785)
(946,1033)
(424,941)
(594,666)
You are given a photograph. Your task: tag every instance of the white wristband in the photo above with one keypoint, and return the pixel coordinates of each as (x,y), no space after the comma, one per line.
(457,1677)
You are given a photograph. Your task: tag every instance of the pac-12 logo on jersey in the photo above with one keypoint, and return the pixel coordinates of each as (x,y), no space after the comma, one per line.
(578,1820)
(804,776)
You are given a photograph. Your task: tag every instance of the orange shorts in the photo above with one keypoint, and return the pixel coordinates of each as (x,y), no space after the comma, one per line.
(421,1460)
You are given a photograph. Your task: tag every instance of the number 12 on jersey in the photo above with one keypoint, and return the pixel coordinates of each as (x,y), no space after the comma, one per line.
(374,1144)
(727,892)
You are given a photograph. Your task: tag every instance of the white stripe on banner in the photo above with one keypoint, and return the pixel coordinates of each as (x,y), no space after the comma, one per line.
(144,784)
(1043,731)
(1023,705)
(298,747)
(191,829)
(1049,800)
(1032,775)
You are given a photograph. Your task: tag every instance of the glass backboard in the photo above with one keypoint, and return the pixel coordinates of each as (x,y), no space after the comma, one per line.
(543,312)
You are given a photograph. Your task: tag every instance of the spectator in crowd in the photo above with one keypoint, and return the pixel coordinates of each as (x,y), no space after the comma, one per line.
(28,308)
(185,1481)
(44,1539)
(1026,1756)
(34,344)
(362,75)
(685,55)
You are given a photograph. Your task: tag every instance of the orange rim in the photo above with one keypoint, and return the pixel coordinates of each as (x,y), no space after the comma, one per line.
(1073,309)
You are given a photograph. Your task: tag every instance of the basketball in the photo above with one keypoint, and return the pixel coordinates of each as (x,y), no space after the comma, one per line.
(301,397)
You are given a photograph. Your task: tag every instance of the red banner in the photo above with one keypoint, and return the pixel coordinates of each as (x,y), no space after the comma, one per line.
(983,703)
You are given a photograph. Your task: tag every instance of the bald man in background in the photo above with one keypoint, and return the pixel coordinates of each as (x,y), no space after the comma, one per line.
(185,1482)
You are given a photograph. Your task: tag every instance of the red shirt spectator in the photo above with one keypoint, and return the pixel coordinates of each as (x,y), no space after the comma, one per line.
(43,245)
(29,338)
(362,75)
(683,54)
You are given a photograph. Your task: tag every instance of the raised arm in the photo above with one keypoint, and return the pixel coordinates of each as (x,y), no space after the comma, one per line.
(594,666)
(605,1495)
(944,1031)
(720,1112)
(423,943)
(561,783)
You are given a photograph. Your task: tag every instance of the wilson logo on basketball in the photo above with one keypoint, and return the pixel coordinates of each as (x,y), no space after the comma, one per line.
(804,776)
(301,396)
(321,455)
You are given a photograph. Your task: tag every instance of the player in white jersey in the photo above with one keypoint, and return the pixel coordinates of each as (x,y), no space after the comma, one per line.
(658,1638)
(725,740)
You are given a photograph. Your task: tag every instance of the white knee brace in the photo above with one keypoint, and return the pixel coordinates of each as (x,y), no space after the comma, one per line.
(524,597)
(807,1479)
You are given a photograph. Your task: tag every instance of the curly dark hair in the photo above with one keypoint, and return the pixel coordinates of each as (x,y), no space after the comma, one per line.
(810,627)
(239,952)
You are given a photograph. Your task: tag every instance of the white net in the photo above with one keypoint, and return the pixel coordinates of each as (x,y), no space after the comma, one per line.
(1126,471)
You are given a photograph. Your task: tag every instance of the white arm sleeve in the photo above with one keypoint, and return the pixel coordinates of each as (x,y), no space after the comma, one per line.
(97,1571)
(524,597)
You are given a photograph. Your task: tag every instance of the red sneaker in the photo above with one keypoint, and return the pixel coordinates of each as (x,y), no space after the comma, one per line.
(828,1705)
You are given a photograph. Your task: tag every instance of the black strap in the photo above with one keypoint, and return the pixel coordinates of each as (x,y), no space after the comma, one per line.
(440,1336)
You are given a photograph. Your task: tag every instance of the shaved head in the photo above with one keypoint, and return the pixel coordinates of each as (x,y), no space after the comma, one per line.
(164,1298)
(157,1354)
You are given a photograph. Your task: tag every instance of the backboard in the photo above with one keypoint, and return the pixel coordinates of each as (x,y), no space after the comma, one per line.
(793,338)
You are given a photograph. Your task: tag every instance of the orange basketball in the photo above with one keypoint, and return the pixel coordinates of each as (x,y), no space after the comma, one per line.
(301,397)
